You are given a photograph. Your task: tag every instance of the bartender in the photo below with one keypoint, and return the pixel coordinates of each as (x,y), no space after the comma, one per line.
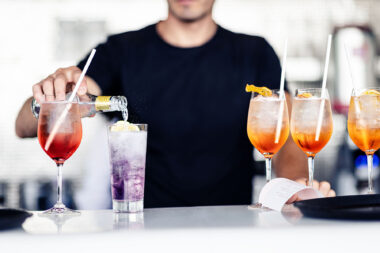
(185,77)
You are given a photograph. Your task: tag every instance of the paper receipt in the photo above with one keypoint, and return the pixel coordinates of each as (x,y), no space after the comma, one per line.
(278,191)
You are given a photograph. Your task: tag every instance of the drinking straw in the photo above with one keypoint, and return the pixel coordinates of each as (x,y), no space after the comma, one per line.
(282,84)
(357,107)
(323,91)
(356,103)
(59,122)
(349,64)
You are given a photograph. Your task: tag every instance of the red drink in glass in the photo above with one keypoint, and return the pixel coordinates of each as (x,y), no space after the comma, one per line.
(63,145)
(59,134)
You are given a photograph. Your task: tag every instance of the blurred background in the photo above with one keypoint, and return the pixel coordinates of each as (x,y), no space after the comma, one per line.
(38,36)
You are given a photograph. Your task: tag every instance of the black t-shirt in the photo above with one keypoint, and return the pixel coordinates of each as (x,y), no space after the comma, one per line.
(195,105)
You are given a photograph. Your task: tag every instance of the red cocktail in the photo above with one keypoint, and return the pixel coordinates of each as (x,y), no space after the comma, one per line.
(59,134)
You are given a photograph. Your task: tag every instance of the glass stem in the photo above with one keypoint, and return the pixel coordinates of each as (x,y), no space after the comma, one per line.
(370,166)
(268,167)
(59,185)
(310,163)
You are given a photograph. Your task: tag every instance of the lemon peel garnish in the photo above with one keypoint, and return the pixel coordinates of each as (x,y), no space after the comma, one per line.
(264,91)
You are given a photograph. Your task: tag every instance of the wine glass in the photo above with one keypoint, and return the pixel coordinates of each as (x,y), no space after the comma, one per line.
(311,123)
(364,125)
(59,134)
(268,125)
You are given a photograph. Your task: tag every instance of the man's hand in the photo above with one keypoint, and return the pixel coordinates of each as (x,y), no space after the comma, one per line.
(56,85)
(324,187)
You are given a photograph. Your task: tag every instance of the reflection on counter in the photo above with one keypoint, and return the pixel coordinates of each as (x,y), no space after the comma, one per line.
(132,221)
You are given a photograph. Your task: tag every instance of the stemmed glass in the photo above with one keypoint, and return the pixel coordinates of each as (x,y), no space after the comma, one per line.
(59,134)
(364,125)
(308,104)
(266,131)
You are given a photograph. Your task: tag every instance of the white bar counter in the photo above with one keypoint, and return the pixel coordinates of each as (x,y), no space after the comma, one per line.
(192,229)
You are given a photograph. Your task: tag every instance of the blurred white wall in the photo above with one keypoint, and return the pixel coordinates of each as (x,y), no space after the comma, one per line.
(38,36)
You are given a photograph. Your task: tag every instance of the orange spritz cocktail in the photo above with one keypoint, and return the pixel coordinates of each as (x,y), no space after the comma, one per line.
(364,124)
(304,123)
(304,127)
(265,131)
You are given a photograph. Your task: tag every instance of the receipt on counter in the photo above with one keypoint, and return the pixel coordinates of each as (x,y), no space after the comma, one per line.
(278,191)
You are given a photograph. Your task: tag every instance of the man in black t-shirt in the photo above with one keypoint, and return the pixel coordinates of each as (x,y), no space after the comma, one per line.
(185,77)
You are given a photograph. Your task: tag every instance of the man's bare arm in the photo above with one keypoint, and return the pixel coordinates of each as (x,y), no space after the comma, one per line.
(26,123)
(54,87)
(290,162)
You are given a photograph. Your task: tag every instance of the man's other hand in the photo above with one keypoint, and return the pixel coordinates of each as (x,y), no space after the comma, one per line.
(323,186)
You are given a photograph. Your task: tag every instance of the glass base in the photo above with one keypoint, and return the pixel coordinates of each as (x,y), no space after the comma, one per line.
(125,206)
(258,206)
(60,209)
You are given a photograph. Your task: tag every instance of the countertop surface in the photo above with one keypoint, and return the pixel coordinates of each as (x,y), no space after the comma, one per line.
(222,228)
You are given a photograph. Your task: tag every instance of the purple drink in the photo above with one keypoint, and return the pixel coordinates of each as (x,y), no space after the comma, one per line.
(127,156)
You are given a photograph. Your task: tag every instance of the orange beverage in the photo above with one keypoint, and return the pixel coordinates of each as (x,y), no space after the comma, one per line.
(307,143)
(364,125)
(304,124)
(264,139)
(268,125)
(311,123)
(363,122)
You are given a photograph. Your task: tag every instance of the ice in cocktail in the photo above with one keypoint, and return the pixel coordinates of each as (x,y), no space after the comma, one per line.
(262,124)
(127,146)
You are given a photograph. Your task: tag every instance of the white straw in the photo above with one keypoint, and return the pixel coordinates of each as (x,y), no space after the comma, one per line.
(282,84)
(349,65)
(59,122)
(82,75)
(357,107)
(356,102)
(323,91)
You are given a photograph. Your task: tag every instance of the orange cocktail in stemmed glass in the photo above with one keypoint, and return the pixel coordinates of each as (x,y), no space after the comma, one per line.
(364,124)
(304,123)
(268,125)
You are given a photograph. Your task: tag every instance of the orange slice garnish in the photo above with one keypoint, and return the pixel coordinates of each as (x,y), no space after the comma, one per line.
(304,95)
(371,92)
(373,100)
(263,91)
